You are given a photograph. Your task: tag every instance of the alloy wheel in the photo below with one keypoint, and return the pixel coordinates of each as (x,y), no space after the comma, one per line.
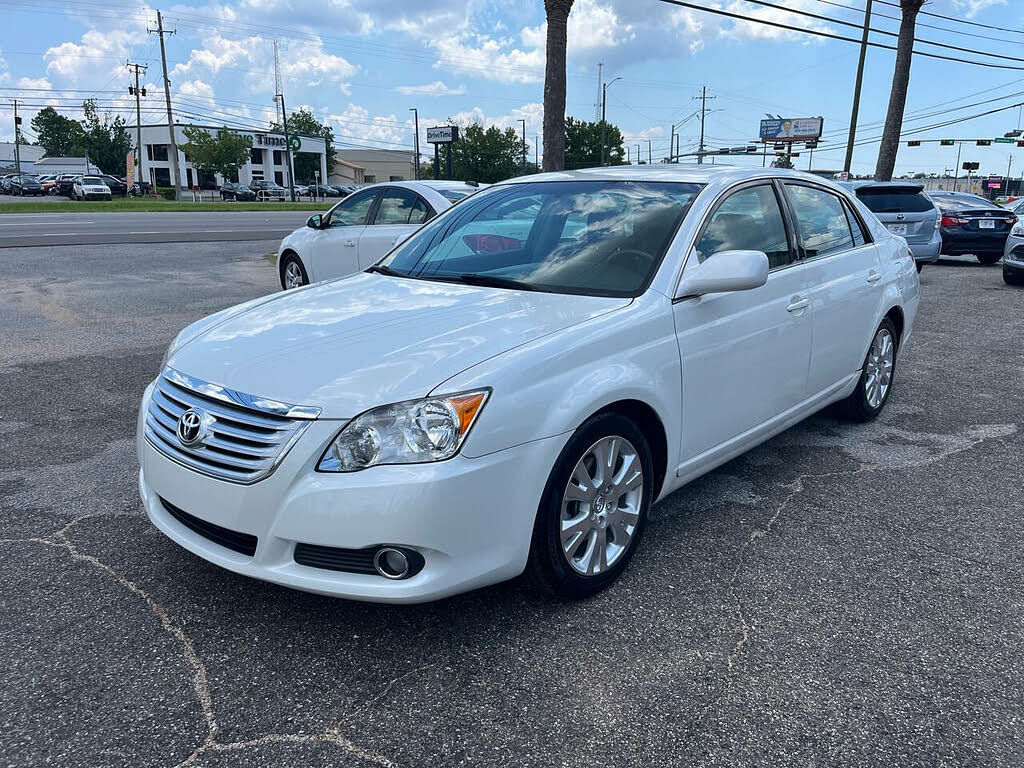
(879,368)
(292,275)
(601,505)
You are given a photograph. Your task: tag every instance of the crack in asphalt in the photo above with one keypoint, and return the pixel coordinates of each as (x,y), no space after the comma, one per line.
(200,684)
(975,436)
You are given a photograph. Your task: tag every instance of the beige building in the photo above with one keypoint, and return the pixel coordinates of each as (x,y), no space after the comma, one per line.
(374,165)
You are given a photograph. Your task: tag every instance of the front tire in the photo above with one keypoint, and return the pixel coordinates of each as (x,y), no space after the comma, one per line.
(875,383)
(293,273)
(1011,277)
(989,258)
(594,509)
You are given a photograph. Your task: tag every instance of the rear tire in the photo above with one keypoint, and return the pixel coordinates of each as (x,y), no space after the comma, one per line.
(989,258)
(876,379)
(920,266)
(594,509)
(293,272)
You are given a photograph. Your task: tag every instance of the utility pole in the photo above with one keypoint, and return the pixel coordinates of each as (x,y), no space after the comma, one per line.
(416,141)
(638,154)
(175,172)
(703,112)
(856,89)
(672,143)
(649,153)
(284,123)
(139,68)
(1006,187)
(536,151)
(956,169)
(523,163)
(604,124)
(597,104)
(17,140)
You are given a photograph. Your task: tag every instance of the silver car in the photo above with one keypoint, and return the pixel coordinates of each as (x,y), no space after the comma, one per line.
(905,210)
(1013,252)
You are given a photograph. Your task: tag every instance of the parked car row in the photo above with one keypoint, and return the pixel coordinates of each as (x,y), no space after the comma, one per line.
(22,184)
(264,189)
(75,186)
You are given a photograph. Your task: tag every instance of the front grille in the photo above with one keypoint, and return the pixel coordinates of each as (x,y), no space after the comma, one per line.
(244,543)
(245,437)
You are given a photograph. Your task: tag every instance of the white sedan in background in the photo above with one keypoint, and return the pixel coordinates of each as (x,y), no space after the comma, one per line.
(359,230)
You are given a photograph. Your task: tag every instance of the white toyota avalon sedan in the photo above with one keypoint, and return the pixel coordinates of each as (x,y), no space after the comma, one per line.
(363,227)
(513,386)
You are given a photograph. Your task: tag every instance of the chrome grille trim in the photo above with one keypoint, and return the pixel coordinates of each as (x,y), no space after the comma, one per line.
(247,438)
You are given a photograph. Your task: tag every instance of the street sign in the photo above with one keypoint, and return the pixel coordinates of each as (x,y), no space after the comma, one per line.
(994,182)
(443,134)
(294,143)
(914,143)
(1006,140)
(791,129)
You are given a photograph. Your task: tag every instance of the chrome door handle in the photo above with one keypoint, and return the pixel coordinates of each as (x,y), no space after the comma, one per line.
(797,304)
(349,243)
(874,275)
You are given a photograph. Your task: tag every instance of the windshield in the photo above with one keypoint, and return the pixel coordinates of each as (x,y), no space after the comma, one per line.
(91,180)
(894,200)
(602,238)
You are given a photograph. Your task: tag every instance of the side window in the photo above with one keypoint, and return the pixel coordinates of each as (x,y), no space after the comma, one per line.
(747,220)
(353,210)
(421,212)
(821,220)
(395,207)
(860,237)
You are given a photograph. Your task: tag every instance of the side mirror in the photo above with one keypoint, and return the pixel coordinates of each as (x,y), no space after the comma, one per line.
(725,271)
(316,221)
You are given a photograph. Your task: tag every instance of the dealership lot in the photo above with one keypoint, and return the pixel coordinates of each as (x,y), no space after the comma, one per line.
(841,595)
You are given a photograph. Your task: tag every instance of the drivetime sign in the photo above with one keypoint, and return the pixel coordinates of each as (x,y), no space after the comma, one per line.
(442,134)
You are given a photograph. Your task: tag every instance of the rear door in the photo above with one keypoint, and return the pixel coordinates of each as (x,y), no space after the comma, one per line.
(905,210)
(334,250)
(846,283)
(400,213)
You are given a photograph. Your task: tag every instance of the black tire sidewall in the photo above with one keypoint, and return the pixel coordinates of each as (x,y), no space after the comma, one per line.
(290,257)
(989,258)
(547,561)
(861,394)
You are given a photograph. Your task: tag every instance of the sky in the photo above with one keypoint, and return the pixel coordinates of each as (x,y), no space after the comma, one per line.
(362,64)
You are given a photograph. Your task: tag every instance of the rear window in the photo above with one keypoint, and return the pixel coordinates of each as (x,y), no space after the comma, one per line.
(889,200)
(961,202)
(454,195)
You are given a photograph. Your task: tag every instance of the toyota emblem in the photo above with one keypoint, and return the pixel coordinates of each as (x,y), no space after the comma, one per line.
(191,427)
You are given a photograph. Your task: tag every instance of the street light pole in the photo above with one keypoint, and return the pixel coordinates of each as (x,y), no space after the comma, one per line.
(523,162)
(604,124)
(416,141)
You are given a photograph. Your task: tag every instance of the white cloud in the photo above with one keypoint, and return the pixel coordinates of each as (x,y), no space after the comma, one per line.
(356,126)
(99,56)
(436,88)
(34,83)
(4,74)
(972,8)
(753,30)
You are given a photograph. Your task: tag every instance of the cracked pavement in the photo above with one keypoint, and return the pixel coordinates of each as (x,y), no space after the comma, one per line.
(842,595)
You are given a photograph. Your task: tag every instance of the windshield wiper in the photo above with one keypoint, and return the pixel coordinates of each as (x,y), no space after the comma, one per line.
(381,269)
(494,281)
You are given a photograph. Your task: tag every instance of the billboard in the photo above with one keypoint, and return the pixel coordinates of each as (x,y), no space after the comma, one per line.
(443,134)
(791,129)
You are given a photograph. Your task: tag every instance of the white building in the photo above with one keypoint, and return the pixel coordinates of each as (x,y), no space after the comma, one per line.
(55,165)
(268,158)
(29,155)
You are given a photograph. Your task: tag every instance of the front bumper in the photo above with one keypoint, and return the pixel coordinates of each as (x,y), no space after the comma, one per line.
(1013,255)
(95,195)
(471,519)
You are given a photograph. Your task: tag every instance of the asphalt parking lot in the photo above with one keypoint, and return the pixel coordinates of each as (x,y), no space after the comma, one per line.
(843,595)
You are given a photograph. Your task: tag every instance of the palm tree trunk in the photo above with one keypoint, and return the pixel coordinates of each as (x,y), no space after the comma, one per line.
(898,96)
(554,84)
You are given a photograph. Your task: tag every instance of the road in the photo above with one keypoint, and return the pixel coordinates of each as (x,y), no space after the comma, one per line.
(843,595)
(43,229)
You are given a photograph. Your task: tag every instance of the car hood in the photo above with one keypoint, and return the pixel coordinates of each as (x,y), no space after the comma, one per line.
(351,344)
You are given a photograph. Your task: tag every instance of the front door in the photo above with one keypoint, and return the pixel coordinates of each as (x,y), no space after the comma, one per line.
(744,354)
(335,247)
(399,214)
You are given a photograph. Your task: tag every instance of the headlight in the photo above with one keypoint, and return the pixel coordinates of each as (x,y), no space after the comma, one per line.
(411,432)
(1018,229)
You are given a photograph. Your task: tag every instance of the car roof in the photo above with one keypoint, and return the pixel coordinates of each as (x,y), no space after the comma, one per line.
(855,185)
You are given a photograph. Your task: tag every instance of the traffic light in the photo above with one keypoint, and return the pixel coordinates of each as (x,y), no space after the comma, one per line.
(914,143)
(984,142)
(947,142)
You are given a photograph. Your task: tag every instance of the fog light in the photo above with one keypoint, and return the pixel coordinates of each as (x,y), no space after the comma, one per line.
(391,563)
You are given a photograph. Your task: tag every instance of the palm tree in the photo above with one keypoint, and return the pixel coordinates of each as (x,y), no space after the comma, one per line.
(898,95)
(554,84)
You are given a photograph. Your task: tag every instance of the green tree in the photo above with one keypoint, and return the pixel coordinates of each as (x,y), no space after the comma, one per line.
(304,123)
(106,139)
(783,161)
(224,153)
(583,144)
(486,155)
(59,136)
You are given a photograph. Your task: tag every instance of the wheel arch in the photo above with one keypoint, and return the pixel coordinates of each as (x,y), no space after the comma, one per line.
(283,257)
(895,316)
(650,423)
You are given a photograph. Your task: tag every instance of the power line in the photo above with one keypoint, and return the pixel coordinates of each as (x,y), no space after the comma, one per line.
(954,19)
(830,35)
